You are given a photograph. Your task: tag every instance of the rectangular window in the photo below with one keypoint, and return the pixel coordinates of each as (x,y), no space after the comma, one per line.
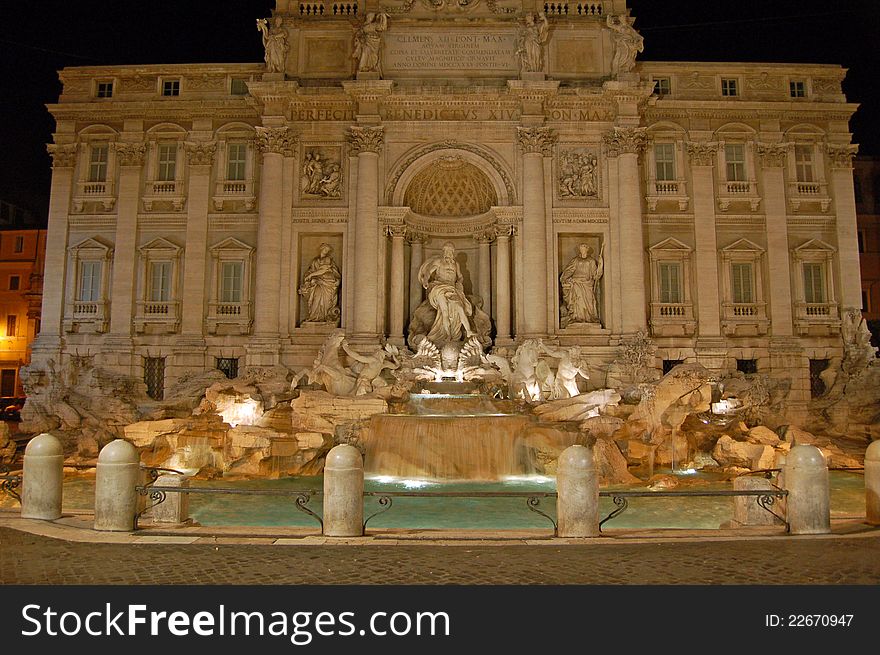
(741,277)
(19,244)
(154,377)
(89,281)
(662,86)
(11,320)
(729,87)
(747,366)
(160,281)
(664,159)
(797,89)
(814,283)
(14,282)
(239,87)
(735,160)
(98,163)
(7,382)
(231,281)
(817,384)
(803,163)
(104,90)
(229,366)
(670,283)
(170,88)
(236,158)
(167,162)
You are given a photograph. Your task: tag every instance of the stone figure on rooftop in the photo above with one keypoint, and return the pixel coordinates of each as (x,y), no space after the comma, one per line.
(368,43)
(320,287)
(275,43)
(627,43)
(532,37)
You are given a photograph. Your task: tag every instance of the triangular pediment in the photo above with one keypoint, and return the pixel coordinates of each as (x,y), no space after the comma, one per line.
(161,244)
(814,245)
(93,245)
(743,245)
(231,243)
(671,244)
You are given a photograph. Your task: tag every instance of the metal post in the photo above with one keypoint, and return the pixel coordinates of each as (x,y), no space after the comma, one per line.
(872,483)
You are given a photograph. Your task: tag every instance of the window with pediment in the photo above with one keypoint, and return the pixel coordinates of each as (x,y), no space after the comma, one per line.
(164,187)
(807,185)
(95,186)
(158,304)
(87,306)
(235,169)
(743,308)
(664,162)
(736,167)
(230,305)
(672,311)
(816,310)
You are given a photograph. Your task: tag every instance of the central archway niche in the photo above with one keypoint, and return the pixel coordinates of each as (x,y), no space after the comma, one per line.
(451,192)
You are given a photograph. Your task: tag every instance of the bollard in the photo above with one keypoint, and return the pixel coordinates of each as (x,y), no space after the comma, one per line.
(872,484)
(42,478)
(577,502)
(344,492)
(746,510)
(175,508)
(116,498)
(808,506)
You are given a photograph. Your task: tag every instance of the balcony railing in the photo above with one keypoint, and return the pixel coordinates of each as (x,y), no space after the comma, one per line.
(810,192)
(96,192)
(158,313)
(744,319)
(738,188)
(86,315)
(229,313)
(164,190)
(229,190)
(317,9)
(574,8)
(671,310)
(672,319)
(675,190)
(738,191)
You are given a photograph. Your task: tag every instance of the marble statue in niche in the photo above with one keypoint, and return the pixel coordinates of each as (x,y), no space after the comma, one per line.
(578,175)
(368,43)
(532,37)
(275,43)
(320,287)
(627,43)
(321,175)
(580,281)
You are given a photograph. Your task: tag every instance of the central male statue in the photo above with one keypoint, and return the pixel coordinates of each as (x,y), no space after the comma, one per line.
(441,277)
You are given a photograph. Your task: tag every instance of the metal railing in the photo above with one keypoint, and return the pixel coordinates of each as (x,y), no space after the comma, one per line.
(10,481)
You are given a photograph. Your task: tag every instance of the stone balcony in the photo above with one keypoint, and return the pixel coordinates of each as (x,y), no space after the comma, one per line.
(97,193)
(157,317)
(672,319)
(229,318)
(671,190)
(171,191)
(86,316)
(817,319)
(234,191)
(736,191)
(744,319)
(801,193)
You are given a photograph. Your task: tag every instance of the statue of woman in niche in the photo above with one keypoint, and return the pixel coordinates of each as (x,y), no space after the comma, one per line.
(368,43)
(532,37)
(627,43)
(320,287)
(580,286)
(275,43)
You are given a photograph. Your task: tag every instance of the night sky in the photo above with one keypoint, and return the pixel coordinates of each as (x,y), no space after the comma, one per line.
(39,37)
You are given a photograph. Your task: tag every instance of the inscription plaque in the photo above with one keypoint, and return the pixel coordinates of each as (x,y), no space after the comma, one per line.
(429,51)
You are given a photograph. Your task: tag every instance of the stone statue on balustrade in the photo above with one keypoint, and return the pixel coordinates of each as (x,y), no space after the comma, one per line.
(368,43)
(275,44)
(530,46)
(447,314)
(320,288)
(580,281)
(627,43)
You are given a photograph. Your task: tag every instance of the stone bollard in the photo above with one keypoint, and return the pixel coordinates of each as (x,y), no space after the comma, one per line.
(808,506)
(42,478)
(116,498)
(577,486)
(175,508)
(872,484)
(344,492)
(746,510)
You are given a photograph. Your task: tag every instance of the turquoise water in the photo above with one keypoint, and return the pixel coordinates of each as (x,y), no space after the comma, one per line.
(847,499)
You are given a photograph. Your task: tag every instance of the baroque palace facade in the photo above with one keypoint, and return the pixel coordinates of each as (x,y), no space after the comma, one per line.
(712,202)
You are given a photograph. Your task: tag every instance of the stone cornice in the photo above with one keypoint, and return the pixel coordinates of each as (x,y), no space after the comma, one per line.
(130,154)
(538,140)
(366,139)
(623,140)
(200,153)
(368,90)
(702,153)
(280,140)
(63,155)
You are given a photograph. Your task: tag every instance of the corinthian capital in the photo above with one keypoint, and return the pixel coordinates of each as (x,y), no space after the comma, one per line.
(200,153)
(772,155)
(63,156)
(622,140)
(280,140)
(538,140)
(702,153)
(130,154)
(841,154)
(366,139)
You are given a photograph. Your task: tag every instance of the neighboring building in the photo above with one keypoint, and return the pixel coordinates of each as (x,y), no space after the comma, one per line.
(867,191)
(13,216)
(22,254)
(188,201)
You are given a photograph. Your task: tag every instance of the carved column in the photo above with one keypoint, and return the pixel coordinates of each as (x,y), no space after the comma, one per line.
(200,158)
(275,143)
(484,240)
(367,143)
(63,162)
(417,256)
(702,156)
(502,282)
(395,329)
(536,143)
(624,145)
(130,157)
(773,157)
(841,156)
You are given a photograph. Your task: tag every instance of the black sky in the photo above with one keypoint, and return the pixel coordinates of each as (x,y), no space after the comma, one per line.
(37,38)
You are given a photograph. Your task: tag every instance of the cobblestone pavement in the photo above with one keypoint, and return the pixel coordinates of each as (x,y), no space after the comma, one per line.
(27,558)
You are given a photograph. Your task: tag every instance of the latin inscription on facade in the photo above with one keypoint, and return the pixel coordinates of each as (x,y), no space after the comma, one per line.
(418,52)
